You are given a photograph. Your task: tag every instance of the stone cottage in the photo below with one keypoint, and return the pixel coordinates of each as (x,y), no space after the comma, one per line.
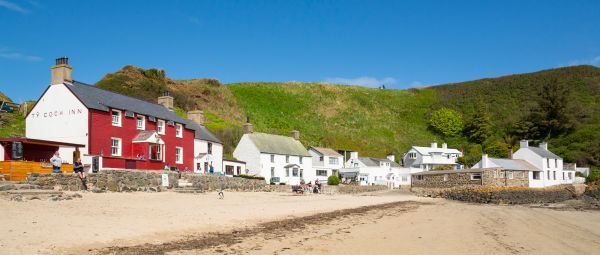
(493,177)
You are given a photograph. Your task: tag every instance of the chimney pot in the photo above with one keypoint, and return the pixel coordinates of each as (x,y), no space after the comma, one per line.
(61,71)
(166,100)
(524,143)
(248,128)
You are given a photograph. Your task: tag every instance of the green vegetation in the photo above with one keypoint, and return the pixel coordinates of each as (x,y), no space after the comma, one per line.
(11,124)
(333,180)
(560,106)
(446,122)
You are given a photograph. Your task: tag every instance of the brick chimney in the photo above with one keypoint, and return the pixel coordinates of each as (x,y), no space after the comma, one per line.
(166,100)
(248,127)
(196,116)
(295,134)
(61,71)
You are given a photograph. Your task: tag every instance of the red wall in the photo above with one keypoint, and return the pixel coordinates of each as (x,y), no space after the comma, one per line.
(102,130)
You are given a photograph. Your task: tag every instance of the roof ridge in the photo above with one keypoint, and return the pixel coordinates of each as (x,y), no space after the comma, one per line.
(95,87)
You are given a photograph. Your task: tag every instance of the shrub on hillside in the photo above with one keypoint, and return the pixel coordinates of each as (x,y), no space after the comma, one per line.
(333,180)
(446,122)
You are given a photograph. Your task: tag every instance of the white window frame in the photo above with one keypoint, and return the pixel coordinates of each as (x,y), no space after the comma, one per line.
(141,118)
(510,174)
(159,152)
(333,160)
(160,128)
(272,158)
(412,155)
(476,174)
(119,146)
(179,130)
(321,171)
(295,172)
(178,155)
(119,121)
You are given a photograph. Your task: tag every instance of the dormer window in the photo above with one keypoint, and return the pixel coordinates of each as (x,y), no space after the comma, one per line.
(116,118)
(160,127)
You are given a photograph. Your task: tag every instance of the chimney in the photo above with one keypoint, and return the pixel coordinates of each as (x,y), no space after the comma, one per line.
(166,100)
(524,143)
(353,155)
(444,146)
(434,145)
(544,146)
(295,134)
(484,160)
(61,71)
(391,157)
(196,116)
(248,127)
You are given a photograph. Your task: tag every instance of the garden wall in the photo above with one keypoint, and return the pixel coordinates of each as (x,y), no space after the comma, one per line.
(501,195)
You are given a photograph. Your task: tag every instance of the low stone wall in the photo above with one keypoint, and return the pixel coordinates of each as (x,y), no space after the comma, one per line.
(497,195)
(593,190)
(331,189)
(135,180)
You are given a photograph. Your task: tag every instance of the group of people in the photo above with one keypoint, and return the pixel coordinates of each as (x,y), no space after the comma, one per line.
(316,188)
(57,162)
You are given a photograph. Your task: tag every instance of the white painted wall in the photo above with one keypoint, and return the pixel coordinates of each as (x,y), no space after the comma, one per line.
(247,151)
(317,164)
(235,165)
(554,169)
(215,158)
(1,153)
(308,174)
(60,116)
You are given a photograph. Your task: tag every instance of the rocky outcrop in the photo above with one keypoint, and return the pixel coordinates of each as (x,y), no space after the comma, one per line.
(496,195)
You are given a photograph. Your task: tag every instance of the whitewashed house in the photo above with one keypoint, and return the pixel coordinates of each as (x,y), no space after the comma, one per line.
(551,165)
(420,159)
(279,159)
(375,171)
(543,167)
(325,162)
(208,148)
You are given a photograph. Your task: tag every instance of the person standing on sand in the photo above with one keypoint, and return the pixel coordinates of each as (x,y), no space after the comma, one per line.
(56,163)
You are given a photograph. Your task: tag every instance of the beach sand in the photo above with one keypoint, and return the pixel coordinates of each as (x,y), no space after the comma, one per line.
(280,223)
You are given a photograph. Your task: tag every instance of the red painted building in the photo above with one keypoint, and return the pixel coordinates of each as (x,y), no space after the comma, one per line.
(122,132)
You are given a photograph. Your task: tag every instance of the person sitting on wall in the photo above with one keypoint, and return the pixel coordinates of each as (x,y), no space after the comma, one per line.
(78,169)
(56,163)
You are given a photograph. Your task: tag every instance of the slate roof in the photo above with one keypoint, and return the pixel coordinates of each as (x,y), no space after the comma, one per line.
(326,152)
(543,153)
(513,164)
(277,144)
(99,99)
(143,136)
(376,162)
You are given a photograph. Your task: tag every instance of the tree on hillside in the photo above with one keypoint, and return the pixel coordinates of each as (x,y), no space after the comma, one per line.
(552,115)
(479,128)
(446,122)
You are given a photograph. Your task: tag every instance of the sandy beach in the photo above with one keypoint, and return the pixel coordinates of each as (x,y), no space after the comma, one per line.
(280,223)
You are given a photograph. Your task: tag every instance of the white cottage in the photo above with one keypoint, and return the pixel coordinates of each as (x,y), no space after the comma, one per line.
(420,159)
(279,159)
(375,171)
(551,165)
(326,162)
(208,148)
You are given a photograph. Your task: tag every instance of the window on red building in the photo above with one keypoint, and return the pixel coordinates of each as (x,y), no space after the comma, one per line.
(155,151)
(179,130)
(115,146)
(160,127)
(141,122)
(116,118)
(178,155)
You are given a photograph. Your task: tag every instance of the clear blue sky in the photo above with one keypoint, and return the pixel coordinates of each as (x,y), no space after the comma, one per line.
(399,43)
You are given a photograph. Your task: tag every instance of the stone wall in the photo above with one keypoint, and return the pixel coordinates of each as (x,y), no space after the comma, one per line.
(134,180)
(332,189)
(489,177)
(501,195)
(593,190)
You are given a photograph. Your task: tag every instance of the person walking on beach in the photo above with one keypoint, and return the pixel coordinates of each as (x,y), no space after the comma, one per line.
(56,163)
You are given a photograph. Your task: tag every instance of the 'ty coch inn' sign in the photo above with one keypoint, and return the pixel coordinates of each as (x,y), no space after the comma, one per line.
(56,113)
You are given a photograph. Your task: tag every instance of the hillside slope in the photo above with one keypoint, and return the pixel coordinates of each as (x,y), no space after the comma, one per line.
(11,124)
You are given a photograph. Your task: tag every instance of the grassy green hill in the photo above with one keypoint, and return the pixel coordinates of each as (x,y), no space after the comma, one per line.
(11,124)
(557,105)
